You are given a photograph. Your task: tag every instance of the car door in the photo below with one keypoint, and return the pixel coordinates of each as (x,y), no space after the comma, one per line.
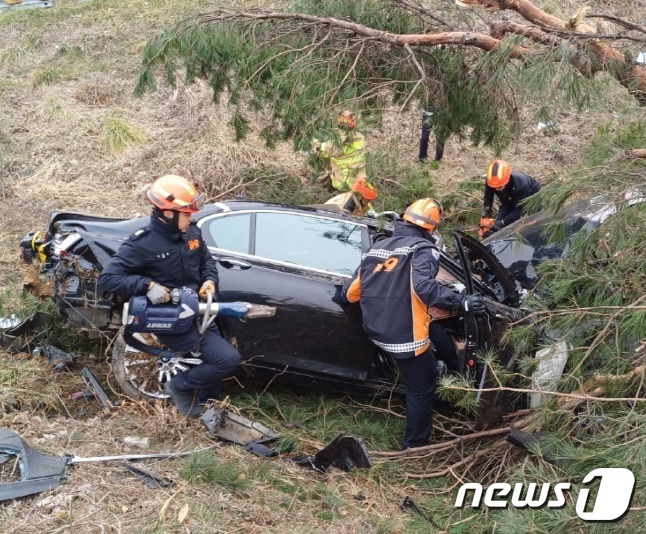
(297,262)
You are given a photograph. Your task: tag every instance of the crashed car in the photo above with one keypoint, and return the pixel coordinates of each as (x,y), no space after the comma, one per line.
(292,258)
(523,245)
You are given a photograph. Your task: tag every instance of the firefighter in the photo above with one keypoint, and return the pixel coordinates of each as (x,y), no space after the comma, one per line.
(511,188)
(166,254)
(358,200)
(347,154)
(395,286)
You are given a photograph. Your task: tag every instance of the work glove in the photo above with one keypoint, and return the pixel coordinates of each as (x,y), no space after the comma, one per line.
(209,286)
(157,294)
(473,304)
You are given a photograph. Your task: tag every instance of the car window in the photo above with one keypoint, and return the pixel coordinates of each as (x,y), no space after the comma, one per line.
(231,232)
(309,241)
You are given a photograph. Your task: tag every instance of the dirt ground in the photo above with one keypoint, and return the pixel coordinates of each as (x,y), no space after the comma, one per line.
(66,76)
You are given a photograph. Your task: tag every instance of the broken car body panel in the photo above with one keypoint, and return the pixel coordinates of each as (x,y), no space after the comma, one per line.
(523,245)
(39,472)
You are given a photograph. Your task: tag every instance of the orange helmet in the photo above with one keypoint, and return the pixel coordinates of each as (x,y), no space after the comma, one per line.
(175,193)
(362,187)
(426,213)
(498,173)
(347,118)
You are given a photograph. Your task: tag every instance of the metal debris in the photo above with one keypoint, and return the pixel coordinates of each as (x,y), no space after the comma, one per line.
(236,428)
(18,338)
(409,504)
(98,391)
(150,479)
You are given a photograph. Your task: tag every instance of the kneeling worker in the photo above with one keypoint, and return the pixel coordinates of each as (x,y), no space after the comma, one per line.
(395,286)
(170,253)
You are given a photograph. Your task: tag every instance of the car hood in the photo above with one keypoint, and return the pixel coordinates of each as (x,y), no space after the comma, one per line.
(521,246)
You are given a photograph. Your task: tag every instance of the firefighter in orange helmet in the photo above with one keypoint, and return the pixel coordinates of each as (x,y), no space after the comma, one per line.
(170,253)
(511,188)
(395,286)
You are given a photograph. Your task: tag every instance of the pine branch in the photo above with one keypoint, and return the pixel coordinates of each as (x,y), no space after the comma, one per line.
(475,39)
(633,77)
(437,447)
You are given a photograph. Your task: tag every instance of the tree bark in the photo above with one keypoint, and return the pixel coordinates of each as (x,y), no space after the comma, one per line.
(633,77)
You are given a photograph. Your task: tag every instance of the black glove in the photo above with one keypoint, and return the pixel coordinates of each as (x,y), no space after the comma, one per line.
(498,225)
(473,304)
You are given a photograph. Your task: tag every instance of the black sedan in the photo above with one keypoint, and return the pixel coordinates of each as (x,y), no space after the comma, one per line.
(292,258)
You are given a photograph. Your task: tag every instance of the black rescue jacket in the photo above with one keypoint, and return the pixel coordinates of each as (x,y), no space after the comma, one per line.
(395,285)
(159,254)
(520,187)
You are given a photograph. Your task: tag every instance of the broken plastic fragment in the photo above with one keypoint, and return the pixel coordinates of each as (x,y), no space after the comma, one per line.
(343,452)
(39,472)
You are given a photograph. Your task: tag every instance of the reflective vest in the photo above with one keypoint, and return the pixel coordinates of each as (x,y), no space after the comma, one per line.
(348,161)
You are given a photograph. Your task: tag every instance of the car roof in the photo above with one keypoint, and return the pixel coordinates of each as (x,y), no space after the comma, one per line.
(250,205)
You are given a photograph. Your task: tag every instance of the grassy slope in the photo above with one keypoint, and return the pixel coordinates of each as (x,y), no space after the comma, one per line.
(73,137)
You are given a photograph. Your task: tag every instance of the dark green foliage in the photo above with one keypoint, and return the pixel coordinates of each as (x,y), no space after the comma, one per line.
(303,74)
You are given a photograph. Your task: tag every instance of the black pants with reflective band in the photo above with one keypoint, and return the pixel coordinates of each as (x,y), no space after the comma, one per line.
(220,360)
(419,378)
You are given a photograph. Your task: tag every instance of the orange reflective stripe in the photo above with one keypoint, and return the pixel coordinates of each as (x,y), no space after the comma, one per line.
(421,318)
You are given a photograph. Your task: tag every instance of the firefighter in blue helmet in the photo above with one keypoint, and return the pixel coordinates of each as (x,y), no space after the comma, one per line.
(395,286)
(171,253)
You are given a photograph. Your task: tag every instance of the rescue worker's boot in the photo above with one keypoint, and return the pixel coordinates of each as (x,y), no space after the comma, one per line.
(184,400)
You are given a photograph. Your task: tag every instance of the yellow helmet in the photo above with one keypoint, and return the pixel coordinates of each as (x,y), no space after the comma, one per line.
(426,213)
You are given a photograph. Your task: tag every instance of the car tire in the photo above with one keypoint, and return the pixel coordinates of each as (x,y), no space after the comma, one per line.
(140,375)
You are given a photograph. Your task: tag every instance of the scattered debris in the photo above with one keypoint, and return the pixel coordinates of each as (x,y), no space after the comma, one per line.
(18,338)
(544,125)
(9,322)
(150,479)
(527,442)
(292,424)
(57,359)
(409,504)
(85,394)
(142,443)
(343,452)
(98,391)
(236,428)
(641,58)
(551,363)
(260,449)
(8,5)
(39,472)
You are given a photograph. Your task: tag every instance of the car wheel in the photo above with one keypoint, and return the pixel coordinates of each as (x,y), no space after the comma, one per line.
(141,375)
